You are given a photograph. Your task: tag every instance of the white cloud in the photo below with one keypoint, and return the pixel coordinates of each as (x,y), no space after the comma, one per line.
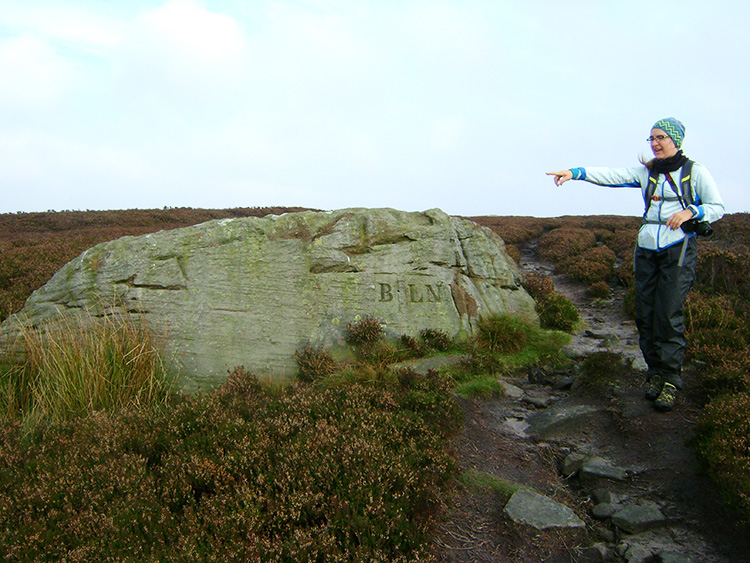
(63,22)
(33,74)
(57,173)
(445,31)
(415,104)
(186,31)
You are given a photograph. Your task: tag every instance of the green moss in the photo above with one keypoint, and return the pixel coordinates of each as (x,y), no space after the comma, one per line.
(481,481)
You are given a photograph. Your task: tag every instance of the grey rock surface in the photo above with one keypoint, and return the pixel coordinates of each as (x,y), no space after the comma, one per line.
(674,557)
(540,512)
(558,420)
(634,518)
(597,467)
(252,291)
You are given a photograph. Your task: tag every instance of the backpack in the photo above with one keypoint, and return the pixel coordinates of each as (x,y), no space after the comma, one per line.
(684,194)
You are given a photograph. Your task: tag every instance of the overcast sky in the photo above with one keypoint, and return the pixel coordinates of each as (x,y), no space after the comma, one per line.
(457,104)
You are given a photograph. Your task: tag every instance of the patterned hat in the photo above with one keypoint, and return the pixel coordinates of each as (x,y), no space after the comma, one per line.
(673,128)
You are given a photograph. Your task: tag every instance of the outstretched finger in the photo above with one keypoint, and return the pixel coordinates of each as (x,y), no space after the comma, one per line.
(560,177)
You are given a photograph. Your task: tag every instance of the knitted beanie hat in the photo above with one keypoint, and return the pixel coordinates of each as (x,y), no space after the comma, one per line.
(673,128)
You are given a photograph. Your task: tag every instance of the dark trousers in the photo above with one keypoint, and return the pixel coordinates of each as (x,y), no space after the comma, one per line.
(661,287)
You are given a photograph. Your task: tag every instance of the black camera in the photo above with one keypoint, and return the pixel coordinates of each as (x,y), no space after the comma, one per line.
(701,228)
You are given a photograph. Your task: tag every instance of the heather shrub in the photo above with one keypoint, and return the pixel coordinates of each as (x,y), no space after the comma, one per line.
(733,231)
(599,290)
(710,311)
(628,303)
(564,242)
(622,243)
(517,230)
(514,253)
(723,444)
(314,363)
(727,377)
(590,266)
(625,274)
(414,347)
(365,331)
(351,473)
(557,312)
(538,285)
(379,355)
(724,271)
(716,346)
(435,339)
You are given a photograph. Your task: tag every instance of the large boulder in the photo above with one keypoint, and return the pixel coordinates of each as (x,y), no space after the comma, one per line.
(253,291)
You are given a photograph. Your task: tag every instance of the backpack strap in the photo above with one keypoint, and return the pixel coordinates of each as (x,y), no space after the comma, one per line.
(648,195)
(685,188)
(684,194)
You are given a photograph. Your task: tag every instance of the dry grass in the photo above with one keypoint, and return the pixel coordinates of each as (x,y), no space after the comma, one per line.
(78,365)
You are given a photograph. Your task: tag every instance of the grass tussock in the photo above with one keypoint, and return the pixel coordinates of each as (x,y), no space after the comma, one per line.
(82,364)
(485,482)
(505,346)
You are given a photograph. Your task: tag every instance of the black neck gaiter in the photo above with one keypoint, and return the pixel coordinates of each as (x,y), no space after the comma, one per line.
(664,165)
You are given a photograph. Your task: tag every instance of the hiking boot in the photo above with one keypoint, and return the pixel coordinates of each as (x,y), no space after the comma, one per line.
(665,400)
(655,384)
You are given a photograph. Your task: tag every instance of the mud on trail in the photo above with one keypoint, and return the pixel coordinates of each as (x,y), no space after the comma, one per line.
(654,448)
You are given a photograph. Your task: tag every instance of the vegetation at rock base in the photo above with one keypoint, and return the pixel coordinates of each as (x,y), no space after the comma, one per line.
(556,312)
(329,468)
(78,365)
(307,472)
(365,331)
(314,364)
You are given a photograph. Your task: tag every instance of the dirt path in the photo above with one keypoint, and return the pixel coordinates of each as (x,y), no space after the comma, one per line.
(654,448)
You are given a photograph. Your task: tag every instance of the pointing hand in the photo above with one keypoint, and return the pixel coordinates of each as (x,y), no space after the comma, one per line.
(561,176)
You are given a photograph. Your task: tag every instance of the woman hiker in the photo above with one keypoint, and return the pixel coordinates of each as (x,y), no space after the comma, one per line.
(681,202)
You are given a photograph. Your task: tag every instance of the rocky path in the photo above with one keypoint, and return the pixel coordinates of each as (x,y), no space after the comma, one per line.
(628,473)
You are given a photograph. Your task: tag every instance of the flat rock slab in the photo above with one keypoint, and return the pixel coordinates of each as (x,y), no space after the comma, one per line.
(599,468)
(635,519)
(559,420)
(540,512)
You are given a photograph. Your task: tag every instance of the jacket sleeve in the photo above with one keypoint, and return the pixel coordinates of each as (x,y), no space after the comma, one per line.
(708,203)
(612,177)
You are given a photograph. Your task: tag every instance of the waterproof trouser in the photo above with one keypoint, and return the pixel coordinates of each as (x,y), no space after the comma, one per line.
(661,287)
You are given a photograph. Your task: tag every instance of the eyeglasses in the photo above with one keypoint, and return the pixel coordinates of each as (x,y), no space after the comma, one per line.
(658,138)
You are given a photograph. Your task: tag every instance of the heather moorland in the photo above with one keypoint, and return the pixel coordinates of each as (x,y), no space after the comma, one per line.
(351,462)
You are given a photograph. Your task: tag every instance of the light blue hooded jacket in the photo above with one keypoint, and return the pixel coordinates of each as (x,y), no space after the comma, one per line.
(654,234)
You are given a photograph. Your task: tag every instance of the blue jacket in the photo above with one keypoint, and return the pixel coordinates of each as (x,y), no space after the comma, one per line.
(654,234)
